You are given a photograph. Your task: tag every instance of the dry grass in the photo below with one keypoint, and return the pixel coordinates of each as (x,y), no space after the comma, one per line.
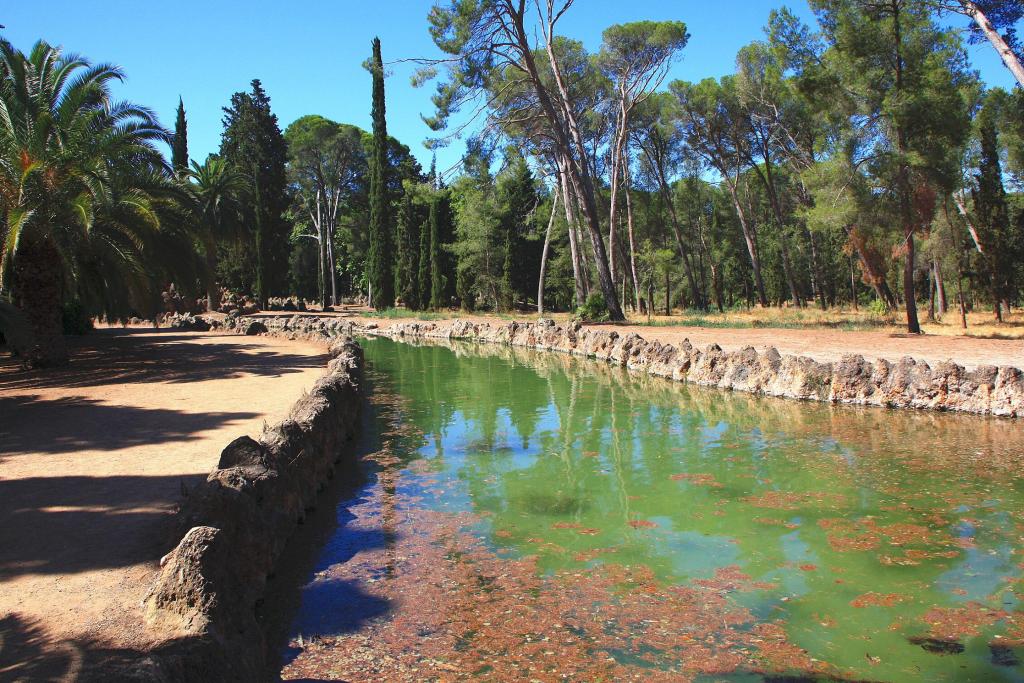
(980,324)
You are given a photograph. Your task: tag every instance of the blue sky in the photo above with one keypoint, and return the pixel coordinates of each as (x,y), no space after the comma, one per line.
(309,53)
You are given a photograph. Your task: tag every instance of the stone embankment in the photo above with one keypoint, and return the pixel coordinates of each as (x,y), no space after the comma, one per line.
(233,529)
(907,383)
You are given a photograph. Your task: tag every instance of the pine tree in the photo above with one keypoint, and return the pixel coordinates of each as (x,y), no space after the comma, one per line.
(379,274)
(253,143)
(179,147)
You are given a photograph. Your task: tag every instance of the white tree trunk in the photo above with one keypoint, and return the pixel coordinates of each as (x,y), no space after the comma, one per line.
(962,208)
(544,254)
(629,228)
(1005,53)
(574,245)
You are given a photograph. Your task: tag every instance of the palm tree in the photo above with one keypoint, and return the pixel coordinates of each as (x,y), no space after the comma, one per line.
(216,190)
(79,177)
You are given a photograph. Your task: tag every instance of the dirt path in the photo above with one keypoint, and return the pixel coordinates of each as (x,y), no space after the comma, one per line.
(92,463)
(831,345)
(820,344)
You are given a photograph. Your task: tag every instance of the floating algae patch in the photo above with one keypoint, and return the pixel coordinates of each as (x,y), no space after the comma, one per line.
(546,518)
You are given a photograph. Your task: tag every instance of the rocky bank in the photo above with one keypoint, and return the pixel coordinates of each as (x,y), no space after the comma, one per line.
(233,528)
(907,383)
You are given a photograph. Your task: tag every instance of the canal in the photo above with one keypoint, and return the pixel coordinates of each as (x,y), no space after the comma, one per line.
(535,516)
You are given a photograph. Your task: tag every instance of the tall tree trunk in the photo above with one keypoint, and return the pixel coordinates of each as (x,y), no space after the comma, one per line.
(613,206)
(212,293)
(684,253)
(931,296)
(579,174)
(322,249)
(544,253)
(1005,53)
(940,287)
(875,279)
(768,180)
(330,267)
(578,275)
(903,182)
(913,326)
(629,229)
(668,293)
(716,286)
(751,240)
(853,285)
(818,282)
(260,285)
(38,286)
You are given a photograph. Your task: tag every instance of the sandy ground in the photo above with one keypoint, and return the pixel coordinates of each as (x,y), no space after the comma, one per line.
(822,344)
(831,345)
(92,463)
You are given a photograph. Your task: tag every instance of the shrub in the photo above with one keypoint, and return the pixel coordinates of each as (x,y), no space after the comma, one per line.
(594,309)
(878,307)
(75,320)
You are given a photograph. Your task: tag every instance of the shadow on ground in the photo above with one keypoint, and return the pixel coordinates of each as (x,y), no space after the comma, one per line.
(84,523)
(33,424)
(111,356)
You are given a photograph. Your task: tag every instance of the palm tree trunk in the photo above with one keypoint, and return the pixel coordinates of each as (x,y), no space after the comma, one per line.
(38,283)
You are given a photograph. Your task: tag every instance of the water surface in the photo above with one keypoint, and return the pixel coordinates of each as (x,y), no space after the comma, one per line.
(540,517)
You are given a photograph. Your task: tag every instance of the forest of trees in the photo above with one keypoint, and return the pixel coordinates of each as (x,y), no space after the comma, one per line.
(856,162)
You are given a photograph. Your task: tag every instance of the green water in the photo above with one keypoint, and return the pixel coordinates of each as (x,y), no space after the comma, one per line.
(866,544)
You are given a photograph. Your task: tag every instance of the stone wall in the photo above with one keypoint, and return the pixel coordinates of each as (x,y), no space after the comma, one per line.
(233,529)
(908,383)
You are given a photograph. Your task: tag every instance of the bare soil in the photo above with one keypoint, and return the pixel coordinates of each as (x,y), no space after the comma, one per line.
(825,344)
(93,461)
(831,345)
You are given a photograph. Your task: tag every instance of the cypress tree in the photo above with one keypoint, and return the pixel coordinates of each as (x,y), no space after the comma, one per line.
(254,144)
(407,269)
(437,276)
(993,214)
(517,199)
(179,147)
(379,275)
(423,280)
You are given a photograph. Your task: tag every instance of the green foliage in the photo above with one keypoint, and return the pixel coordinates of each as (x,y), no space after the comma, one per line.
(440,218)
(303,271)
(327,175)
(87,208)
(424,277)
(878,307)
(1001,244)
(516,200)
(75,319)
(595,309)
(15,330)
(379,258)
(407,262)
(253,144)
(179,144)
